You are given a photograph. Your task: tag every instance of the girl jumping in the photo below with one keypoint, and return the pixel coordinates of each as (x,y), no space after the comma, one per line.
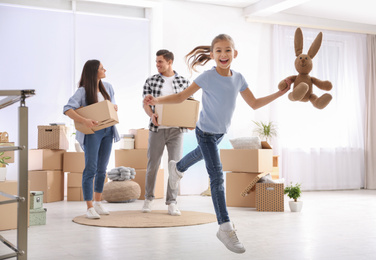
(220,87)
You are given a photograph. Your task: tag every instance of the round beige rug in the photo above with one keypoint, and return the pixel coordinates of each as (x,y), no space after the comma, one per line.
(156,218)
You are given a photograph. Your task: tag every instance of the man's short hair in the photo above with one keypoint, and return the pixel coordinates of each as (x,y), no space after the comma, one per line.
(167,55)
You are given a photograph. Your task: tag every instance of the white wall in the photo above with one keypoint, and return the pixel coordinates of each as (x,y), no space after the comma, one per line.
(187,25)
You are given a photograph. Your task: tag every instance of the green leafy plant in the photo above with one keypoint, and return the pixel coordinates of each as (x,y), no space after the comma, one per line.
(3,158)
(265,130)
(293,191)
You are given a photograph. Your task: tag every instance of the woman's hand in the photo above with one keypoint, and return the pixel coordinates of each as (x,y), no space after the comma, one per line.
(90,123)
(150,100)
(116,108)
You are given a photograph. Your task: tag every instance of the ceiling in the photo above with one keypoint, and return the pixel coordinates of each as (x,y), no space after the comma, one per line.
(356,16)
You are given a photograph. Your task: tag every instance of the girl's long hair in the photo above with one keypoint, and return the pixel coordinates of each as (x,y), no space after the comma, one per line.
(201,54)
(89,78)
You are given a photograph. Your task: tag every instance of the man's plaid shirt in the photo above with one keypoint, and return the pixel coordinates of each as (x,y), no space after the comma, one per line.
(153,86)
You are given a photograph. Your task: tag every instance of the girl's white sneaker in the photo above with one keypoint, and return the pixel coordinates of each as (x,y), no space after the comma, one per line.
(92,214)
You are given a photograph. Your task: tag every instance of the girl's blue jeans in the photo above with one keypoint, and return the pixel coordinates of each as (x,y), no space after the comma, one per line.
(97,148)
(207,149)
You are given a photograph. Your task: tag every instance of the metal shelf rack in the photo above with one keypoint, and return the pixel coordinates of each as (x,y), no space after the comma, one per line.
(11,97)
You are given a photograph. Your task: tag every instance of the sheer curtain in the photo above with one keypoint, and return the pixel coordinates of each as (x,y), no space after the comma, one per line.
(370,180)
(323,149)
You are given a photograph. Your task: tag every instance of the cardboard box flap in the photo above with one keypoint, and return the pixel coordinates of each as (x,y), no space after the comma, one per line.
(252,184)
(265,145)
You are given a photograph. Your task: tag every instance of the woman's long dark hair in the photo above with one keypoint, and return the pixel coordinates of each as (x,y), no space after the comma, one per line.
(89,78)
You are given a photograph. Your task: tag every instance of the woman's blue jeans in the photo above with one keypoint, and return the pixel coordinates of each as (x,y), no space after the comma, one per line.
(207,149)
(97,148)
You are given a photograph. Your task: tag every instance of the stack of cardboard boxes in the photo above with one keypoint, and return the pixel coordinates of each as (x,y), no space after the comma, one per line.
(245,167)
(74,165)
(138,159)
(46,163)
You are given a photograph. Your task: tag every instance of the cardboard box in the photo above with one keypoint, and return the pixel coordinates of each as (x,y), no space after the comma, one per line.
(159,183)
(269,197)
(74,180)
(137,158)
(248,160)
(74,162)
(236,182)
(103,112)
(184,114)
(45,159)
(8,212)
(8,153)
(275,173)
(75,194)
(275,160)
(52,137)
(141,138)
(50,182)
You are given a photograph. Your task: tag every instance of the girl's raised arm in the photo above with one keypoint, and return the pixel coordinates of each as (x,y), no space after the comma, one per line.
(174,98)
(256,103)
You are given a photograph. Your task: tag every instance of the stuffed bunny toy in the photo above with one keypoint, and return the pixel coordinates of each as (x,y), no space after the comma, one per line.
(302,90)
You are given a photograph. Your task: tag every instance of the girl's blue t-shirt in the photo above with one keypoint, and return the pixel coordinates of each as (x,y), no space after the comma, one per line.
(218,99)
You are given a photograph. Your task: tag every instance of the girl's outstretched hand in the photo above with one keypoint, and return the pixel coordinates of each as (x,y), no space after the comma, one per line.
(149,100)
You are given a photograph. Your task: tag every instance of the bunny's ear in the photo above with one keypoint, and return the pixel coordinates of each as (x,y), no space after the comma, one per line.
(298,42)
(315,46)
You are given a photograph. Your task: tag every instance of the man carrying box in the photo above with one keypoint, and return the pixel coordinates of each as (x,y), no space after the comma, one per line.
(165,83)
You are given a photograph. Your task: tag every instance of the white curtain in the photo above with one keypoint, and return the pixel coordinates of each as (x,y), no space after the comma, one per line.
(370,180)
(323,149)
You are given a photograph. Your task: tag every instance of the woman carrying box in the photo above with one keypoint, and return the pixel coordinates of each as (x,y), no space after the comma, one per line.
(97,146)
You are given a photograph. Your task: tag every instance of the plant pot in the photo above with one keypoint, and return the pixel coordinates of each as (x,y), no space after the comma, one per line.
(78,147)
(296,206)
(3,173)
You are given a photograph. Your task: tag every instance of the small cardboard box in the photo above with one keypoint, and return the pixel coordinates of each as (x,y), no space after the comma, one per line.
(248,160)
(8,153)
(36,199)
(184,114)
(269,197)
(37,217)
(159,183)
(45,159)
(236,182)
(141,138)
(275,160)
(50,182)
(136,158)
(103,112)
(75,194)
(52,137)
(74,162)
(8,212)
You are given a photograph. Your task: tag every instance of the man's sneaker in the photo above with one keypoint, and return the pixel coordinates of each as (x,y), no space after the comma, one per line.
(174,175)
(173,210)
(231,241)
(91,213)
(100,209)
(147,206)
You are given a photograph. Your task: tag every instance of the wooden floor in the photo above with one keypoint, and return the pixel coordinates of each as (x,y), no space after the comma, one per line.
(332,225)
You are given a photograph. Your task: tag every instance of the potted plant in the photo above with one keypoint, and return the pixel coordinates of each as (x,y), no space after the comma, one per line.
(3,163)
(266,131)
(294,192)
